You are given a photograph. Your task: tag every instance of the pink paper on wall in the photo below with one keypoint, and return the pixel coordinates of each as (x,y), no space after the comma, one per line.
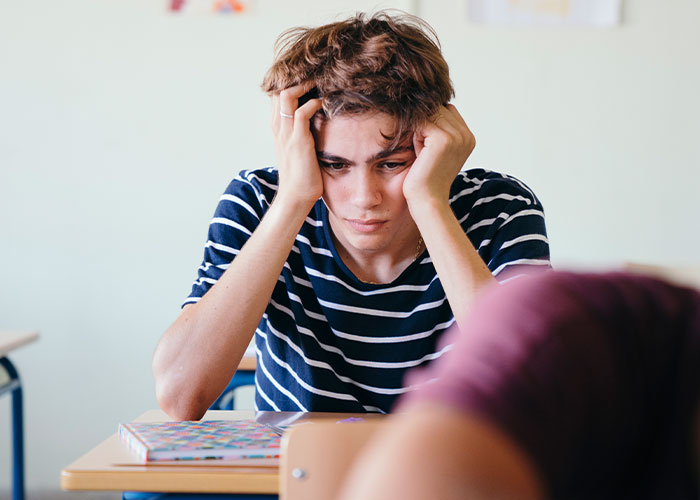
(210,6)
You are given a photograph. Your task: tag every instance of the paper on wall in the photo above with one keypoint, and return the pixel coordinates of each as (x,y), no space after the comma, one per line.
(592,13)
(210,6)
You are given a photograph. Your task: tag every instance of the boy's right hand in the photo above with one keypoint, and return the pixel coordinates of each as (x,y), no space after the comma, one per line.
(300,175)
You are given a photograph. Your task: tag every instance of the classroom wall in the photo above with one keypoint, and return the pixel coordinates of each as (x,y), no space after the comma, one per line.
(120,125)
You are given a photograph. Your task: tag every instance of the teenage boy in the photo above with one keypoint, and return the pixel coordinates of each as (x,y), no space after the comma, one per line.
(351,257)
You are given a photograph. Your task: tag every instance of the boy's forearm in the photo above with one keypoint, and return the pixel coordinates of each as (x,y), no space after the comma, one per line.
(461,270)
(198,354)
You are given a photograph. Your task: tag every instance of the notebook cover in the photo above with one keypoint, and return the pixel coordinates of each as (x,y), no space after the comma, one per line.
(200,440)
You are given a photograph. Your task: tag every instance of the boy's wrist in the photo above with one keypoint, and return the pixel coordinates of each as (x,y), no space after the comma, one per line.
(293,205)
(426,204)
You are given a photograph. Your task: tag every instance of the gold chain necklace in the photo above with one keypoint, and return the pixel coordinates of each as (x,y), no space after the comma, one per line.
(419,248)
(419,251)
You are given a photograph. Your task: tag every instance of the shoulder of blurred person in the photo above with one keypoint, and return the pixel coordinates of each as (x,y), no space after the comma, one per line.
(587,384)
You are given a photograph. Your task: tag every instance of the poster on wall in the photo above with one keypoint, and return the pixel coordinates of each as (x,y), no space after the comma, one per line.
(210,6)
(591,13)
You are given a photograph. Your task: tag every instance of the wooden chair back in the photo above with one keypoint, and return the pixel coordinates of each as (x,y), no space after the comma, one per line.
(316,457)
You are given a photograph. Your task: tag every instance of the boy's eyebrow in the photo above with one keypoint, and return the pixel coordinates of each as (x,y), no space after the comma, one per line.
(384,153)
(331,158)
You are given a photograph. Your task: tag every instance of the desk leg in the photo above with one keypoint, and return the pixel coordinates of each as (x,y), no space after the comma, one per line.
(17,431)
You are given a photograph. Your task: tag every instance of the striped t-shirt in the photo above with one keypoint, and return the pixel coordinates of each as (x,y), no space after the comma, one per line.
(330,342)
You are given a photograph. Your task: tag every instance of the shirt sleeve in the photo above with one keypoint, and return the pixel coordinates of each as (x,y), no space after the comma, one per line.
(505,222)
(236,217)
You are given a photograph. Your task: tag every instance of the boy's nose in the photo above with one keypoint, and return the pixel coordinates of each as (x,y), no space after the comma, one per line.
(366,189)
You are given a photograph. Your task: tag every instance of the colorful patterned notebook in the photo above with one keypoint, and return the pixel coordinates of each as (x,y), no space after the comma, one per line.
(200,440)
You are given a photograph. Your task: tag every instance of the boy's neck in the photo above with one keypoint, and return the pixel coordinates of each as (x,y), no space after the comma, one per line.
(381,266)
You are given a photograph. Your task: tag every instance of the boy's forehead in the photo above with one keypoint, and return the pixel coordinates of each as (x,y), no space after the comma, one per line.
(380,125)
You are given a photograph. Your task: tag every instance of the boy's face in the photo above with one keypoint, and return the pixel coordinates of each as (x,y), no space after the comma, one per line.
(363,184)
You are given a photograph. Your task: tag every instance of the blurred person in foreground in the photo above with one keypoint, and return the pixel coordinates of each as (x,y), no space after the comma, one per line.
(565,386)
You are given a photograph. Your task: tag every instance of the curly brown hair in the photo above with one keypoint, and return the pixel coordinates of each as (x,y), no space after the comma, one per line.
(367,63)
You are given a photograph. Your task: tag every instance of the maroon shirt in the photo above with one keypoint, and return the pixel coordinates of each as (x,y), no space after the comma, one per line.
(597,377)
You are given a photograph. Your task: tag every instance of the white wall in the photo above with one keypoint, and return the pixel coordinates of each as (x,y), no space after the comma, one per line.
(120,126)
(601,124)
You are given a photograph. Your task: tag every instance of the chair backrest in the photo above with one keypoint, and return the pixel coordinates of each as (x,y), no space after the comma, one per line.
(316,457)
(227,399)
(244,376)
(688,275)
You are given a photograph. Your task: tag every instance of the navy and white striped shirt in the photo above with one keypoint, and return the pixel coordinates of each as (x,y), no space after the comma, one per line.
(330,342)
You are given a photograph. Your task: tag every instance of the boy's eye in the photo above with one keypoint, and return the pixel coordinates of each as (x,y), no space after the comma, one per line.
(331,165)
(391,165)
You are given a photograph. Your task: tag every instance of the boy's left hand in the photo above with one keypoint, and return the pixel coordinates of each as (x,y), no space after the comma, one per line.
(442,145)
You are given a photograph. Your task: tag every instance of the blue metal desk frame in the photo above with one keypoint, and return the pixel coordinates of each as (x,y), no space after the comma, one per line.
(15,387)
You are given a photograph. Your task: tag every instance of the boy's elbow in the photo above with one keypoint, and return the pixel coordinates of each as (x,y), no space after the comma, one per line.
(177,403)
(173,394)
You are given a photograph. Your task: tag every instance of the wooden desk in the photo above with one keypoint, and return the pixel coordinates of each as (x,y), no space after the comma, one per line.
(110,466)
(10,341)
(10,382)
